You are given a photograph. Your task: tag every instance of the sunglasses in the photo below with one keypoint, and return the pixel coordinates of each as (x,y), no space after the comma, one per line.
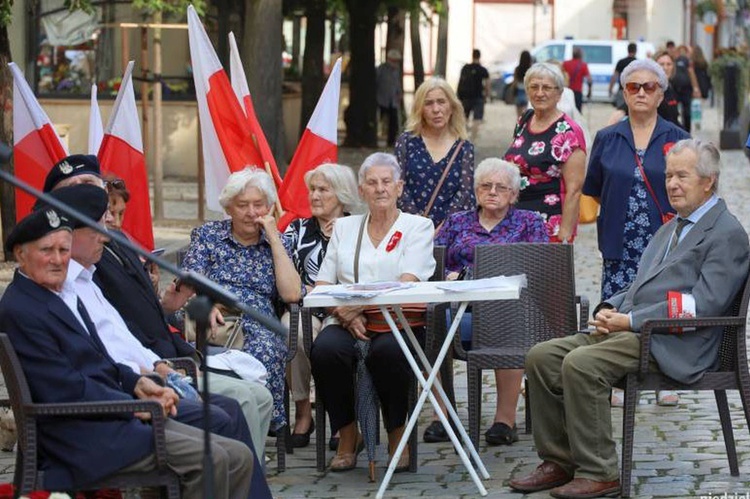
(118,184)
(649,87)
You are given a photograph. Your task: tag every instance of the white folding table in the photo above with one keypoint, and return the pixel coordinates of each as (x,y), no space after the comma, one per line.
(423,292)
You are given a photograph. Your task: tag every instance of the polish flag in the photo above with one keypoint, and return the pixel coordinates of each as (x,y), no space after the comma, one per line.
(227,142)
(242,91)
(121,155)
(96,130)
(36,145)
(318,145)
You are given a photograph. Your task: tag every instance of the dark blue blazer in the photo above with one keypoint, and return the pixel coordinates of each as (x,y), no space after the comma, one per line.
(63,363)
(610,178)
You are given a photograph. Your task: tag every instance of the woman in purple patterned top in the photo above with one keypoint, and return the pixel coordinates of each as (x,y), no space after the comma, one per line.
(550,149)
(496,221)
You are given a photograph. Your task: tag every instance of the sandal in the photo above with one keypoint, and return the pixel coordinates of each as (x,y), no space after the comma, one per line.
(348,461)
(403,462)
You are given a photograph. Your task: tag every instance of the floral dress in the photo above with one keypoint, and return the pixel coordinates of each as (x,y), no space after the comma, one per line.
(421,175)
(617,274)
(248,272)
(540,157)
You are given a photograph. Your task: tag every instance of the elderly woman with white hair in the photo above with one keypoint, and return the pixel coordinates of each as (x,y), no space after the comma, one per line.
(332,192)
(247,255)
(496,220)
(383,245)
(550,150)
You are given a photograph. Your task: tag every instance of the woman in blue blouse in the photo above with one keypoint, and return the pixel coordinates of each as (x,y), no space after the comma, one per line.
(246,255)
(497,184)
(435,139)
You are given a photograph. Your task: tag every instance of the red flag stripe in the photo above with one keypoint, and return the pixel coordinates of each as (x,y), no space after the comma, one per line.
(34,155)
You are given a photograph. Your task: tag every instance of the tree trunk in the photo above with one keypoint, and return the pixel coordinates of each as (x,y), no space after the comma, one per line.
(396,23)
(158,173)
(416,46)
(313,80)
(441,61)
(7,194)
(360,116)
(261,45)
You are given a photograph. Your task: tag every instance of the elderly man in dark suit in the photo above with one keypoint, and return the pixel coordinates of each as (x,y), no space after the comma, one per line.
(700,257)
(65,360)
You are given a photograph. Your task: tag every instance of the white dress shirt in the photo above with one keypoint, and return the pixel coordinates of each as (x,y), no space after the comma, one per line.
(120,343)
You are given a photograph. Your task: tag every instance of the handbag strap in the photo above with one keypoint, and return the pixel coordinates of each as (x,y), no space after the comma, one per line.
(648,184)
(359,246)
(427,209)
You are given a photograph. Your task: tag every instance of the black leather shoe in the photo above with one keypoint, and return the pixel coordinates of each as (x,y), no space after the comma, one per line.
(501,434)
(303,439)
(333,443)
(435,433)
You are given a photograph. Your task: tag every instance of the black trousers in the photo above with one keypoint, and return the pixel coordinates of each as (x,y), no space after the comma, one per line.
(685,98)
(333,359)
(392,114)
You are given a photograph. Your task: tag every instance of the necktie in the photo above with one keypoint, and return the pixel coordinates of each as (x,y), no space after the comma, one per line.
(90,326)
(681,223)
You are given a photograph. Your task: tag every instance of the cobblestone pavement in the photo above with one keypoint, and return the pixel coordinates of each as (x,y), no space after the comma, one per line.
(679,452)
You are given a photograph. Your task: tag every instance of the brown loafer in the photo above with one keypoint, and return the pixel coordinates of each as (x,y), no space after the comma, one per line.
(583,488)
(348,460)
(546,476)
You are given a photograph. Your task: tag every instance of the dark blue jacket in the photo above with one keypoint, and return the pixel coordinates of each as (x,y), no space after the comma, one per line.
(610,178)
(63,363)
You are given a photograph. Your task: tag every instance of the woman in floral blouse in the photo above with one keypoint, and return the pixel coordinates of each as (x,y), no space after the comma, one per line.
(550,149)
(496,221)
(434,139)
(246,255)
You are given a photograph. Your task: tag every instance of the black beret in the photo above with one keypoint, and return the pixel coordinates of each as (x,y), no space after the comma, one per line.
(89,199)
(74,165)
(36,225)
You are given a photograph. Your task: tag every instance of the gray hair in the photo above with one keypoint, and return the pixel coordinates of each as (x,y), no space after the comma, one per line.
(380,159)
(496,165)
(645,65)
(342,181)
(239,181)
(709,158)
(545,70)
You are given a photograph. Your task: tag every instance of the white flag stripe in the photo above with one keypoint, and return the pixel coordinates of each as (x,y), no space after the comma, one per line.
(237,73)
(124,122)
(205,63)
(96,130)
(325,118)
(28,115)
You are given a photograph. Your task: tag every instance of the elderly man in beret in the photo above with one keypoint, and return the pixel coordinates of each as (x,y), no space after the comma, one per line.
(126,285)
(65,361)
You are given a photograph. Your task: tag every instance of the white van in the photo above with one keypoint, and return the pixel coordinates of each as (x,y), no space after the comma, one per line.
(600,55)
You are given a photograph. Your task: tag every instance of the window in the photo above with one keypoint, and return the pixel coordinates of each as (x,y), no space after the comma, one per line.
(556,52)
(596,54)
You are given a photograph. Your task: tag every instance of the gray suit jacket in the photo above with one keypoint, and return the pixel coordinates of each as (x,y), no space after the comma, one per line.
(711,263)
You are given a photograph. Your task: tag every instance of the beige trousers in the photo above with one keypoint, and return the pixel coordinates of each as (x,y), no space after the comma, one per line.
(298,372)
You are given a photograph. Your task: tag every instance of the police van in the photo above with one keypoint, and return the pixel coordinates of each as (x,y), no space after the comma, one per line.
(600,55)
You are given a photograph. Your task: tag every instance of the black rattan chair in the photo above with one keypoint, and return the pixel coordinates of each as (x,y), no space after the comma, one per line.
(731,375)
(504,332)
(26,414)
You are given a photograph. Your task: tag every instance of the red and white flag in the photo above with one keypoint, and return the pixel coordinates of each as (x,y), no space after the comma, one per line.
(121,155)
(96,130)
(242,91)
(227,142)
(36,145)
(318,145)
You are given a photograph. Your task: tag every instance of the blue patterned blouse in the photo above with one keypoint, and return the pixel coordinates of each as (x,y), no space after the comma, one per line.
(421,175)
(248,272)
(462,232)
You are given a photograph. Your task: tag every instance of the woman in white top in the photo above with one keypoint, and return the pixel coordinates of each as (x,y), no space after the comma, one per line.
(393,246)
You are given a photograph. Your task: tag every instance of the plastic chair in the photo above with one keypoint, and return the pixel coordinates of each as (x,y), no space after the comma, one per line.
(26,414)
(503,333)
(731,375)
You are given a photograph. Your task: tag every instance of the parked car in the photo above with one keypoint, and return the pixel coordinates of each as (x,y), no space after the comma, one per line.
(600,55)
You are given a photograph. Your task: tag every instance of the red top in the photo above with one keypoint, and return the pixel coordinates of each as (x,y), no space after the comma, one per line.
(577,70)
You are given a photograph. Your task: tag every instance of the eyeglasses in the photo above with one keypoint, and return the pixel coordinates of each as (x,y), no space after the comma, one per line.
(544,88)
(649,87)
(498,187)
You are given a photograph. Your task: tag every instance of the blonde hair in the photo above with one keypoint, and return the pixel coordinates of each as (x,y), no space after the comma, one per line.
(457,122)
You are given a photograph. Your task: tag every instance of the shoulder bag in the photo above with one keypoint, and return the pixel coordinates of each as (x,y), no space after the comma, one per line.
(227,335)
(426,211)
(665,216)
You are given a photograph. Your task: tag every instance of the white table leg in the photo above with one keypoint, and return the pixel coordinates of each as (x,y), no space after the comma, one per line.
(426,392)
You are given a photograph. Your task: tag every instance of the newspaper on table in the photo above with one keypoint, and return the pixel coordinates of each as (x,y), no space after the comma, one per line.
(486,283)
(363,290)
